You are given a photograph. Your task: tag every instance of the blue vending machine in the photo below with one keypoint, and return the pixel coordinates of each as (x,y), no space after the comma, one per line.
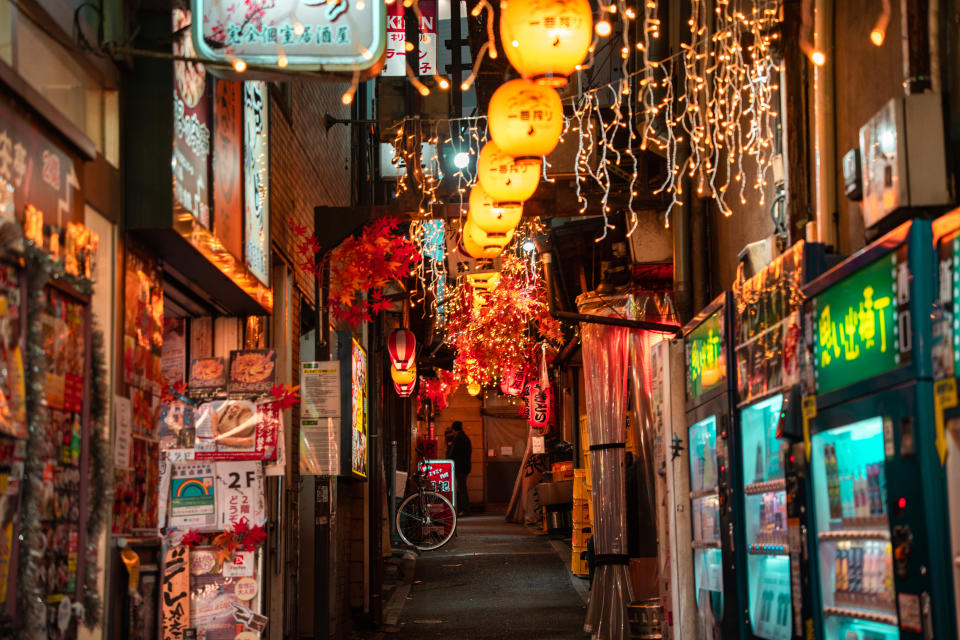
(768,349)
(710,402)
(874,521)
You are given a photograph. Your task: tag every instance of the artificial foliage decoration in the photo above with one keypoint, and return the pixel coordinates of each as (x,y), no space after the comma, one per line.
(361,267)
(437,391)
(192,538)
(285,396)
(502,333)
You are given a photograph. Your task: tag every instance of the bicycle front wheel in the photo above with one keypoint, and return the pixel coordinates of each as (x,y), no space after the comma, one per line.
(426,520)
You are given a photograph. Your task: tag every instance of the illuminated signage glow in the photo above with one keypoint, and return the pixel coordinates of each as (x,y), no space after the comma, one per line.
(358,403)
(856,326)
(706,360)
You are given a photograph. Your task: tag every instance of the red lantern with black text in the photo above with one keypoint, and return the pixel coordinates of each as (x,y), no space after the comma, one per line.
(511,381)
(402,345)
(540,404)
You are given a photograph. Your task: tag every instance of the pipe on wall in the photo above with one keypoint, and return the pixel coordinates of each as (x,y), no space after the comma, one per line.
(825,140)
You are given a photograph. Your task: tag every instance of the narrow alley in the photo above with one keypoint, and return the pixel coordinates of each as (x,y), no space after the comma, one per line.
(503,573)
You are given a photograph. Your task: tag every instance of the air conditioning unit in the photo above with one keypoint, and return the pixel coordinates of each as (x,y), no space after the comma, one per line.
(903,157)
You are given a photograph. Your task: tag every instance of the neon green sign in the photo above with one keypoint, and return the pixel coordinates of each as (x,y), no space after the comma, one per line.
(706,361)
(855,331)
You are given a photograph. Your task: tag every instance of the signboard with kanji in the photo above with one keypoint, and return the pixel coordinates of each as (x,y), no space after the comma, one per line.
(440,475)
(856,329)
(318,35)
(175,600)
(396,64)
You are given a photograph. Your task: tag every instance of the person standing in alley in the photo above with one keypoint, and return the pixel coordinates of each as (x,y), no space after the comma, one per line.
(459,451)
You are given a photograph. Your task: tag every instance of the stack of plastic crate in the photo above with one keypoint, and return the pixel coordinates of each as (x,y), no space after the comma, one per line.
(582,520)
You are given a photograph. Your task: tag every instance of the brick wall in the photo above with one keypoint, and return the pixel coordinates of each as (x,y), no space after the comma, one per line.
(309,166)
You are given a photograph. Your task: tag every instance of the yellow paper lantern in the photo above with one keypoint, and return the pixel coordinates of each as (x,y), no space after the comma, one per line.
(474,389)
(475,250)
(405,377)
(546,40)
(506,181)
(484,281)
(486,239)
(526,120)
(492,216)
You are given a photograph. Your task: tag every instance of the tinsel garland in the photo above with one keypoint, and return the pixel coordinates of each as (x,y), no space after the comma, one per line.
(101,476)
(41,268)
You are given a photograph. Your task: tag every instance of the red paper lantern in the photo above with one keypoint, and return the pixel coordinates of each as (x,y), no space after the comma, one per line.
(540,403)
(511,381)
(402,345)
(404,390)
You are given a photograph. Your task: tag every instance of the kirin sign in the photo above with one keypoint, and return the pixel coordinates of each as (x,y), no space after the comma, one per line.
(311,35)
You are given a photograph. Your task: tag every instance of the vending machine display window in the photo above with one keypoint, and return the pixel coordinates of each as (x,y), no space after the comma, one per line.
(768,562)
(705,512)
(853,531)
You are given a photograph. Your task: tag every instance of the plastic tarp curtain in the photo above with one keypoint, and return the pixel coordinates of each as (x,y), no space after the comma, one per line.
(606,351)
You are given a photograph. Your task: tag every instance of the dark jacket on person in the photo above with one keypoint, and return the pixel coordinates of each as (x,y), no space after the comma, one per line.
(460,451)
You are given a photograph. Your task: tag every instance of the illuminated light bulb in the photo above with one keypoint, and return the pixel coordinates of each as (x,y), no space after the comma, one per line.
(361,5)
(298,28)
(818,58)
(461,160)
(347,97)
(443,83)
(877,36)
(515,43)
(408,46)
(282,61)
(424,91)
(239,65)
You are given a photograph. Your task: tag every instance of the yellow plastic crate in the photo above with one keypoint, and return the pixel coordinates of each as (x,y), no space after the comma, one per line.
(581,535)
(582,513)
(578,561)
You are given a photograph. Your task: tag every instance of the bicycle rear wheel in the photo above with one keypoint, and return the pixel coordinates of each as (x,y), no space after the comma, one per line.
(426,520)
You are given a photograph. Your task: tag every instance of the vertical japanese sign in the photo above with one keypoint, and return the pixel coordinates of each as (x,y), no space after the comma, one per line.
(191,116)
(396,40)
(857,332)
(256,180)
(227,149)
(359,411)
(176,594)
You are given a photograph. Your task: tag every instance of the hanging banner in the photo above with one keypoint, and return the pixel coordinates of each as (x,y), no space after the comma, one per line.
(359,414)
(327,35)
(191,121)
(123,427)
(396,64)
(540,404)
(256,180)
(227,167)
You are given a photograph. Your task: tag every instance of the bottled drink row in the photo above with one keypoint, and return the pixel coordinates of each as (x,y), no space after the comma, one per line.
(864,574)
(854,493)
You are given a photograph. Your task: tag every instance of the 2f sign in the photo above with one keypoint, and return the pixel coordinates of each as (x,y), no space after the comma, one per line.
(235,477)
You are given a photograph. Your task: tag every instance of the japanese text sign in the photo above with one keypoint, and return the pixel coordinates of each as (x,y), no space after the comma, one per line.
(176,594)
(440,475)
(396,64)
(256,179)
(856,329)
(331,35)
(706,359)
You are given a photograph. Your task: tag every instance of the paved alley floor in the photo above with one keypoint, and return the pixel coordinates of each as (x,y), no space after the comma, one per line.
(493,581)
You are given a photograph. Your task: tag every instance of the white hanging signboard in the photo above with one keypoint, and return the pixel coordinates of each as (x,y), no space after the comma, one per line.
(239,494)
(396,64)
(315,35)
(320,418)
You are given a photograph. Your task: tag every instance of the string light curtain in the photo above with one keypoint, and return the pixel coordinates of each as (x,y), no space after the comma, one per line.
(606,351)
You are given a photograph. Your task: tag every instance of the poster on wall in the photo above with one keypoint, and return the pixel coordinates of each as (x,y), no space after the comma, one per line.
(175,618)
(236,430)
(13,416)
(256,180)
(224,595)
(240,494)
(253,372)
(191,121)
(173,353)
(193,500)
(208,378)
(358,404)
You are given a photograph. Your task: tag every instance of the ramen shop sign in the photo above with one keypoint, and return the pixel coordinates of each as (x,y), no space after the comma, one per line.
(318,35)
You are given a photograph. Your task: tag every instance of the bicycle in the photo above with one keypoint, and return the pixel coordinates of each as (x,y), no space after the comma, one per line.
(426,520)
